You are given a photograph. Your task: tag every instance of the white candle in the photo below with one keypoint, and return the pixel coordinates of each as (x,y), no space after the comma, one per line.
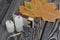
(10,26)
(18,23)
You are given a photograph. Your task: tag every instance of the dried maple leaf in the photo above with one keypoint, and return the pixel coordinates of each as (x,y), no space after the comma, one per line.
(40,8)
